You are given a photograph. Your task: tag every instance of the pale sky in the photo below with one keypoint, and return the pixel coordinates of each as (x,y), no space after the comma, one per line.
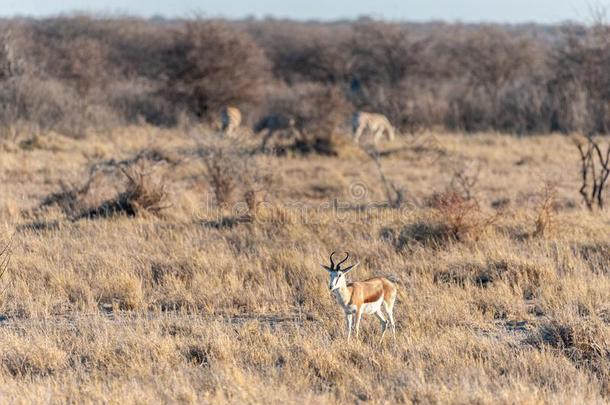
(505,11)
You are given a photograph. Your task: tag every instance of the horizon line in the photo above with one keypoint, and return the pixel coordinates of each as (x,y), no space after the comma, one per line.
(262,18)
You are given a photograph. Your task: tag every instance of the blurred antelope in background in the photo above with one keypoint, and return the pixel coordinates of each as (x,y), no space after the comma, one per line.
(374,124)
(230,119)
(362,297)
(271,124)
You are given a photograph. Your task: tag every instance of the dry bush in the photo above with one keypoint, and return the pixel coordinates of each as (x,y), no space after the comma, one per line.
(491,58)
(144,193)
(459,218)
(465,178)
(390,43)
(595,170)
(580,82)
(526,107)
(319,114)
(36,105)
(277,121)
(234,176)
(301,53)
(63,66)
(211,65)
(395,195)
(6,56)
(139,101)
(404,87)
(223,172)
(306,118)
(104,192)
(488,61)
(453,218)
(546,223)
(94,73)
(71,50)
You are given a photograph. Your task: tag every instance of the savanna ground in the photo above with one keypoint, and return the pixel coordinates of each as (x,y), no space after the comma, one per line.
(207,304)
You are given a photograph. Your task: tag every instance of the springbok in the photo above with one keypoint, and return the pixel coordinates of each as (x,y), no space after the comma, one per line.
(361,297)
(375,124)
(271,124)
(230,119)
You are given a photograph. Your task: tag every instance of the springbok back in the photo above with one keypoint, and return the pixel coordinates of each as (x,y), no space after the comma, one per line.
(370,123)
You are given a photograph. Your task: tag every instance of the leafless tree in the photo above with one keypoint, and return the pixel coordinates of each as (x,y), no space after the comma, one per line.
(595,170)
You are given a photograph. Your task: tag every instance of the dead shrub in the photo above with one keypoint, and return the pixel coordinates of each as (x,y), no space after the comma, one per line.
(390,43)
(458,218)
(465,178)
(104,181)
(595,170)
(306,53)
(211,65)
(318,115)
(546,223)
(579,81)
(144,193)
(310,115)
(105,72)
(234,175)
(223,172)
(491,59)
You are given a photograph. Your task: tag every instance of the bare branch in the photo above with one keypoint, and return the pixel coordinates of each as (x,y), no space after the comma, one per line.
(594,179)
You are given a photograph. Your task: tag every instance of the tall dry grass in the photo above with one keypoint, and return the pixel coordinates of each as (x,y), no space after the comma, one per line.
(190,307)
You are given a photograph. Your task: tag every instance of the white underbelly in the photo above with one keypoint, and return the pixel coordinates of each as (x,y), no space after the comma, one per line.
(372,307)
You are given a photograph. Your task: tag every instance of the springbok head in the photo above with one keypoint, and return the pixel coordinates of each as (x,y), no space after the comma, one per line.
(337,274)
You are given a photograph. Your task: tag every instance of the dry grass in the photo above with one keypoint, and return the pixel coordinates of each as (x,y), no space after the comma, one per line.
(169,309)
(459,218)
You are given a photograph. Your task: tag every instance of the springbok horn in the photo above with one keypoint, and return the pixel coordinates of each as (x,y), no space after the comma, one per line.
(343,261)
(332,264)
(350,267)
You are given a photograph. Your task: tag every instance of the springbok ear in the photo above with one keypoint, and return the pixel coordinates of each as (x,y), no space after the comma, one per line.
(326,268)
(350,268)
